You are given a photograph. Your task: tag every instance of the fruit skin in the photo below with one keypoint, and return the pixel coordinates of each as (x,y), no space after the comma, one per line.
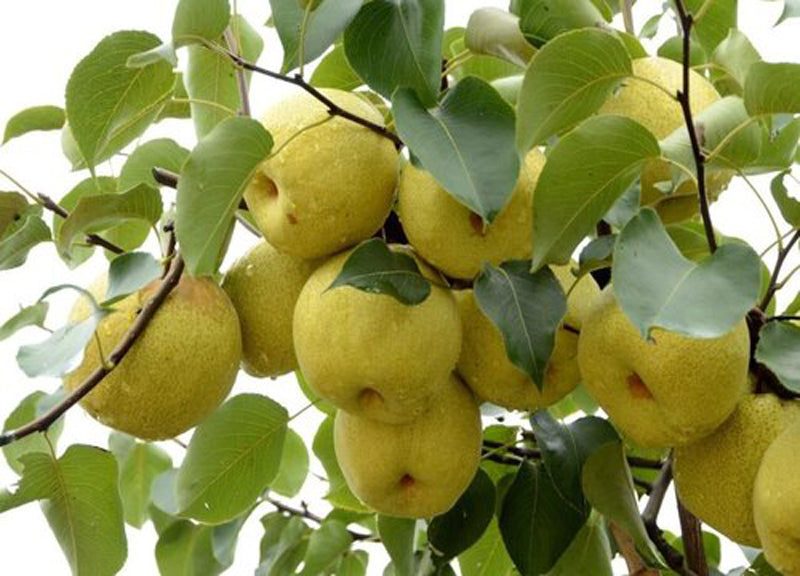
(451,237)
(328,187)
(264,285)
(370,354)
(484,364)
(654,110)
(715,476)
(178,371)
(669,392)
(776,504)
(414,470)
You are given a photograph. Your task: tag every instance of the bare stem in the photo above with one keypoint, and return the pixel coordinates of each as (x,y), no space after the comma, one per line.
(241,77)
(673,558)
(692,534)
(305,513)
(627,16)
(774,279)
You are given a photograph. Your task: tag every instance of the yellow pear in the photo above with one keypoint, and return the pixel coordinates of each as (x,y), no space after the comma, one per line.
(670,391)
(654,109)
(370,354)
(484,364)
(264,285)
(451,237)
(178,371)
(418,469)
(715,476)
(330,183)
(776,502)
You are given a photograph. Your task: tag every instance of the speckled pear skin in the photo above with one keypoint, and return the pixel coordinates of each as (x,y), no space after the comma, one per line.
(178,371)
(484,363)
(715,476)
(450,236)
(776,502)
(654,110)
(370,354)
(330,186)
(264,285)
(668,392)
(415,470)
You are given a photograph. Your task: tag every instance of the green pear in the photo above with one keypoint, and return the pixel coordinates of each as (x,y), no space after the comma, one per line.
(484,363)
(776,502)
(264,285)
(329,183)
(178,371)
(715,476)
(418,469)
(642,100)
(453,238)
(670,391)
(368,353)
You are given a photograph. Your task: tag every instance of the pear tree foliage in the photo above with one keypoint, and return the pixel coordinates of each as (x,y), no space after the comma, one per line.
(531,147)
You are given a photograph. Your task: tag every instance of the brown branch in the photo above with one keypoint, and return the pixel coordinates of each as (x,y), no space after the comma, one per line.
(773,281)
(333,108)
(241,77)
(46,202)
(673,558)
(169,255)
(149,310)
(783,318)
(687,21)
(305,513)
(692,534)
(170,180)
(627,548)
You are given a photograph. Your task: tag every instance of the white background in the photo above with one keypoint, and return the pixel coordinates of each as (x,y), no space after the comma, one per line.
(40,42)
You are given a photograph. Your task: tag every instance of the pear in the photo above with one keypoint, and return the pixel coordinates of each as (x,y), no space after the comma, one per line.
(329,184)
(264,285)
(715,476)
(662,115)
(370,354)
(451,237)
(414,470)
(484,363)
(776,502)
(178,371)
(670,391)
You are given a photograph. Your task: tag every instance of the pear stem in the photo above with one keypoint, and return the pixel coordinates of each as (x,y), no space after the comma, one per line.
(149,310)
(692,534)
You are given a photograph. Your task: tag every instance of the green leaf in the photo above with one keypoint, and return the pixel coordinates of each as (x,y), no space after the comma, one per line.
(172,108)
(543,20)
(672,48)
(460,527)
(778,349)
(715,24)
(81,503)
(527,309)
(397,43)
(211,185)
(31,407)
(324,26)
(791,9)
(589,552)
(129,273)
(397,535)
(567,81)
(161,153)
(211,77)
(325,546)
(778,148)
(293,468)
(139,464)
(322,405)
(104,211)
(19,238)
(339,493)
(495,32)
(283,545)
(608,486)
(789,207)
(32,119)
(585,173)
(29,316)
(232,457)
(658,288)
(536,522)
(466,143)
(794,307)
(488,557)
(771,89)
(199,19)
(334,71)
(374,268)
(353,564)
(734,56)
(13,207)
(188,549)
(650,27)
(162,53)
(108,104)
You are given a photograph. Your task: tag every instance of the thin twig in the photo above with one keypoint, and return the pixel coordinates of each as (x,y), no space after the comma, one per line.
(686,22)
(627,16)
(773,281)
(149,310)
(692,534)
(169,254)
(783,318)
(673,558)
(241,77)
(304,513)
